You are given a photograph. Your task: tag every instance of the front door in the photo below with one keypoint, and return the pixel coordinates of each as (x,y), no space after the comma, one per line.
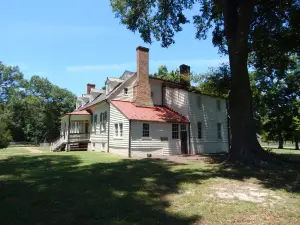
(86,127)
(184,142)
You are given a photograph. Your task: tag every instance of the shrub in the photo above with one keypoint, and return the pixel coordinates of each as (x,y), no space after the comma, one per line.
(5,136)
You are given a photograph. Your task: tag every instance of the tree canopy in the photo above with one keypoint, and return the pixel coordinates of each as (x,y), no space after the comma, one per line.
(265,30)
(31,109)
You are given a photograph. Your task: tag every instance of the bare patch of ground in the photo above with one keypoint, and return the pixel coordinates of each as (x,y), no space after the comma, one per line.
(245,191)
(32,149)
(185,159)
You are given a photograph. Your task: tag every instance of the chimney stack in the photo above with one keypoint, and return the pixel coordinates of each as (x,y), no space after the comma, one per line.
(185,75)
(89,87)
(142,89)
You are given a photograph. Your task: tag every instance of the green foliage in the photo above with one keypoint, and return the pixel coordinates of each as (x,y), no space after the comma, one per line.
(32,108)
(217,81)
(5,136)
(163,73)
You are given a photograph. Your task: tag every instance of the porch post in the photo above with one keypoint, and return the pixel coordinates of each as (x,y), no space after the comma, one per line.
(68,139)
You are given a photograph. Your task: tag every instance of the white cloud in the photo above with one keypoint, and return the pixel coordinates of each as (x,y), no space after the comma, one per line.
(154,64)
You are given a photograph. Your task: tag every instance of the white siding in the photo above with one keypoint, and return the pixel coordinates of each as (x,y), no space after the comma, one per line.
(119,94)
(156,89)
(207,113)
(118,145)
(99,138)
(141,146)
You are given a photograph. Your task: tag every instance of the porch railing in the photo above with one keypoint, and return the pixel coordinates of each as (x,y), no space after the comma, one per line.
(79,137)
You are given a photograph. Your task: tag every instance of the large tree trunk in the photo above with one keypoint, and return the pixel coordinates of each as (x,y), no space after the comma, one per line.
(280,142)
(245,147)
(296,142)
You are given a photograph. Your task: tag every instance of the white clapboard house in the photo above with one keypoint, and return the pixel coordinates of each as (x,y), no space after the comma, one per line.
(140,115)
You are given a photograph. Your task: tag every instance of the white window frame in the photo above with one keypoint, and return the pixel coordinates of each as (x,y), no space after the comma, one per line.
(144,131)
(118,130)
(174,125)
(95,121)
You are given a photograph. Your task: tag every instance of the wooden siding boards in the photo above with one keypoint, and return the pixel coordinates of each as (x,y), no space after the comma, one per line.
(118,145)
(119,93)
(141,146)
(186,103)
(99,137)
(156,89)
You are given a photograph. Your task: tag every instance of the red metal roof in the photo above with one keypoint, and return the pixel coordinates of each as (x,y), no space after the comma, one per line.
(82,112)
(157,113)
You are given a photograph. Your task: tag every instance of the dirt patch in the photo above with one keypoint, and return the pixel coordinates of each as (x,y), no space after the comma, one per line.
(33,150)
(185,159)
(243,191)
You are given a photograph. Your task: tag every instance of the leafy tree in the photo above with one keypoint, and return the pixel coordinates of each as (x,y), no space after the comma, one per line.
(5,136)
(163,73)
(239,27)
(10,78)
(31,109)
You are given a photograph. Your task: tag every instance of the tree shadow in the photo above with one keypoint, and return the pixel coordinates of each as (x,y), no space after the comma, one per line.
(59,190)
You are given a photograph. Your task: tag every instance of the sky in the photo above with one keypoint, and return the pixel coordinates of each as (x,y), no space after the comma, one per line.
(76,42)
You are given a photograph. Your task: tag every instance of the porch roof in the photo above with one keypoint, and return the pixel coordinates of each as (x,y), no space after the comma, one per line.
(82,112)
(157,113)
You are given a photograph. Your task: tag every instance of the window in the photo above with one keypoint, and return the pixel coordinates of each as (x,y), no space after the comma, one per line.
(199,126)
(219,104)
(199,101)
(121,129)
(219,127)
(175,131)
(146,130)
(104,119)
(118,129)
(125,91)
(95,122)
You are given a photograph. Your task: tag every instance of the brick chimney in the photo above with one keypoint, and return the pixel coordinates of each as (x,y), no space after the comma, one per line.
(142,90)
(89,87)
(185,75)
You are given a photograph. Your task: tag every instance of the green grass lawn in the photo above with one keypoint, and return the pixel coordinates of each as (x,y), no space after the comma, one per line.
(99,188)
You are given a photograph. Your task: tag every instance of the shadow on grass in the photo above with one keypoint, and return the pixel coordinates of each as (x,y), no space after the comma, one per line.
(57,190)
(284,174)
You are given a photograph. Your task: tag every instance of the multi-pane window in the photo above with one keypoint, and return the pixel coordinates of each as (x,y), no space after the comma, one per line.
(121,129)
(95,122)
(219,129)
(199,101)
(125,91)
(199,127)
(146,130)
(118,129)
(101,121)
(219,104)
(175,131)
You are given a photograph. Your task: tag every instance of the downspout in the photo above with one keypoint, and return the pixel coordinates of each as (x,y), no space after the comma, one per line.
(108,129)
(68,142)
(129,141)
(189,151)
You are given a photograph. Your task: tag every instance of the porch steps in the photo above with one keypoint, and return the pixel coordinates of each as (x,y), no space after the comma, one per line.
(78,147)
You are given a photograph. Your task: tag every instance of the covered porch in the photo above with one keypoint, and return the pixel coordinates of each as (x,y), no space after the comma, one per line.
(74,132)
